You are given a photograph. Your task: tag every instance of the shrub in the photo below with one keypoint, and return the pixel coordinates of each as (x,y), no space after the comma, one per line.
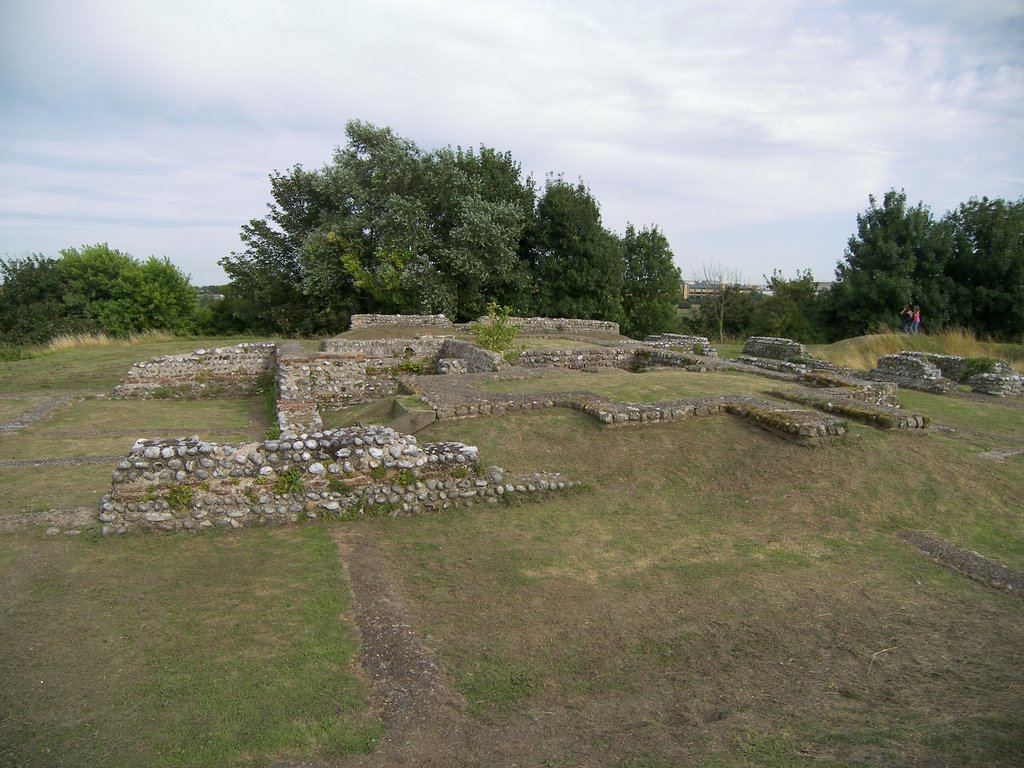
(495,333)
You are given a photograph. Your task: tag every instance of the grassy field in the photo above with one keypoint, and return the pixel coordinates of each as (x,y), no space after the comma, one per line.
(711,596)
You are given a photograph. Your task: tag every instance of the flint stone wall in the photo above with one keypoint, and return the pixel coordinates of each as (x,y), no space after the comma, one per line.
(699,345)
(998,384)
(912,371)
(203,372)
(589,359)
(391,321)
(529,324)
(190,484)
(355,371)
(560,325)
(774,348)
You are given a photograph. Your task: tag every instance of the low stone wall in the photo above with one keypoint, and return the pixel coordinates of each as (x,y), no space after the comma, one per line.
(849,403)
(423,348)
(528,324)
(699,345)
(392,321)
(998,384)
(589,359)
(215,372)
(912,371)
(561,325)
(771,347)
(190,484)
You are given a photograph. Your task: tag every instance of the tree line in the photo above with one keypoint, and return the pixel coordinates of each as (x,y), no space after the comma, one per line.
(389,227)
(965,270)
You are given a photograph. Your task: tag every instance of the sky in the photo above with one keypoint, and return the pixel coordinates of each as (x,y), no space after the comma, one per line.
(750,132)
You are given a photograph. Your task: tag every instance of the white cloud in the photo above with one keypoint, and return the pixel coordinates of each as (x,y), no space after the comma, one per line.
(700,119)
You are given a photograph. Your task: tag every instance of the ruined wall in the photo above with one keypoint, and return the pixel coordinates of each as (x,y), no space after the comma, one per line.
(190,484)
(912,371)
(561,325)
(771,347)
(217,372)
(392,321)
(699,345)
(474,359)
(998,384)
(527,324)
(594,358)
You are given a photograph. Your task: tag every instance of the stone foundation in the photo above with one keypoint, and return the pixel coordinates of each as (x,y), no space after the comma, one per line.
(190,484)
(219,372)
(998,385)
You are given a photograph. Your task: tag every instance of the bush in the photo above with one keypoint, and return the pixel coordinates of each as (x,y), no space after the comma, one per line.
(495,333)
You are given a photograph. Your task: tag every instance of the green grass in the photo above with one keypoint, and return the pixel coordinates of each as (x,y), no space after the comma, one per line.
(11,409)
(92,369)
(636,387)
(149,416)
(711,596)
(177,651)
(712,564)
(36,489)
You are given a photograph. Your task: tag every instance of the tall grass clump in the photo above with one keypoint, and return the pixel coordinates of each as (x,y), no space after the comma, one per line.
(68,341)
(862,352)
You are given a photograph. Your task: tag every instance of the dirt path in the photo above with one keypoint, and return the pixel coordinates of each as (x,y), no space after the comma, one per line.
(425,721)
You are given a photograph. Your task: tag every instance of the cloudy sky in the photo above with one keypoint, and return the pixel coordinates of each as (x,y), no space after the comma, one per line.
(750,132)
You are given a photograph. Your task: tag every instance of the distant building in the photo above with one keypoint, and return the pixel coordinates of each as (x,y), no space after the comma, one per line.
(695,290)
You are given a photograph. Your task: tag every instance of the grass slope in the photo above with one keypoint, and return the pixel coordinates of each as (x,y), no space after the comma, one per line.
(713,596)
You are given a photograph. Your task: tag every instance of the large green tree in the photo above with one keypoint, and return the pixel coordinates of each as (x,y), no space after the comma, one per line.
(31,303)
(651,283)
(115,294)
(577,263)
(386,227)
(266,291)
(985,269)
(93,289)
(792,309)
(897,256)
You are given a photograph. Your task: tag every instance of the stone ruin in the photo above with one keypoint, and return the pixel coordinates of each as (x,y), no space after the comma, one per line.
(940,374)
(309,472)
(190,484)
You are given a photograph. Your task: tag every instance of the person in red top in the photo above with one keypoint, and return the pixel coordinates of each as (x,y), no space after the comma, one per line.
(916,322)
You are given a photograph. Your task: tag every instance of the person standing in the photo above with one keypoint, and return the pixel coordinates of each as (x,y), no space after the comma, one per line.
(915,323)
(906,318)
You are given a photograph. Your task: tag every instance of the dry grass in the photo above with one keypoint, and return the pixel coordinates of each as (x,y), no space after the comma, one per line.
(66,341)
(862,352)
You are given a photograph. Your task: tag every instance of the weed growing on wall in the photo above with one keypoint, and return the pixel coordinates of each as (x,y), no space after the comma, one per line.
(179,497)
(289,481)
